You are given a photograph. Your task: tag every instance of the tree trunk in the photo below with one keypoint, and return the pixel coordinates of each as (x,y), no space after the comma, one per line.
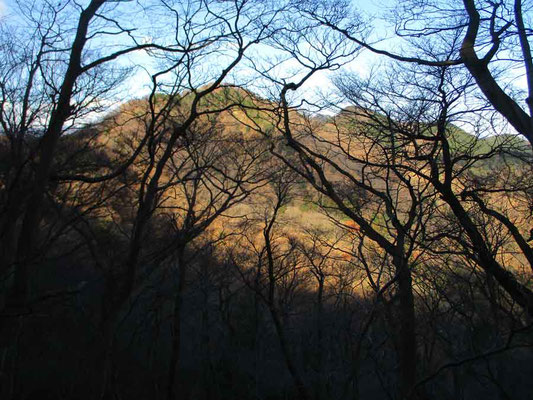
(205,337)
(107,391)
(519,292)
(289,362)
(176,328)
(322,389)
(406,329)
(27,245)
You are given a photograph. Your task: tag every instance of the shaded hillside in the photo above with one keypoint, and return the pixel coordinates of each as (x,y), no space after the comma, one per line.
(325,300)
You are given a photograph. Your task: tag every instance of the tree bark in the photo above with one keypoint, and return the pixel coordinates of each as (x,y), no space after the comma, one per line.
(520,293)
(321,361)
(175,353)
(27,241)
(478,68)
(407,352)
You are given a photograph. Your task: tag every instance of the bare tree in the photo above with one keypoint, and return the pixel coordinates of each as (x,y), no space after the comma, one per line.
(453,164)
(220,32)
(276,270)
(483,35)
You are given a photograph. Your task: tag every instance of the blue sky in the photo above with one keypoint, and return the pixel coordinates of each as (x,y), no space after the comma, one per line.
(361,65)
(139,85)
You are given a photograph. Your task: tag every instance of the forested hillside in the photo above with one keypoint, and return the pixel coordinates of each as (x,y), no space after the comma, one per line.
(183,215)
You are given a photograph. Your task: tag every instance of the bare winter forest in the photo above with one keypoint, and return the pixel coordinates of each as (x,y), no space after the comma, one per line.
(266,199)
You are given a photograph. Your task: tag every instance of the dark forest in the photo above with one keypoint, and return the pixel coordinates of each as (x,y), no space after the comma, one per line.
(267,200)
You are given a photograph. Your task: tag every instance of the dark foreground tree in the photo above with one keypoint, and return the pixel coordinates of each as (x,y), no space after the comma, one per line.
(488,38)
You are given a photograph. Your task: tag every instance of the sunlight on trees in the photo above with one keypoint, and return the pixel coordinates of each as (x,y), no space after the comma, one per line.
(186,214)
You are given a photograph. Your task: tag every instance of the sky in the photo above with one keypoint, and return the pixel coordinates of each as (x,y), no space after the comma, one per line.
(137,86)
(320,79)
(318,82)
